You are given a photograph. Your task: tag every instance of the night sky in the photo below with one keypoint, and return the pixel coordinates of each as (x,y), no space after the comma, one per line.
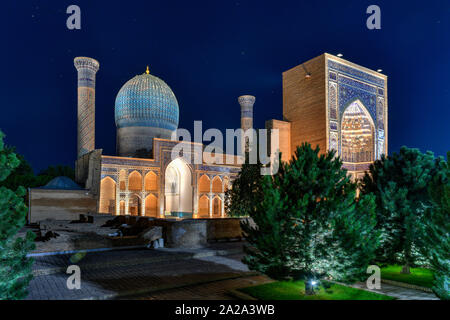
(209,53)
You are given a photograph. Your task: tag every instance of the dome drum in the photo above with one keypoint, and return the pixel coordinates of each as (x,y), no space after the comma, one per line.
(131,139)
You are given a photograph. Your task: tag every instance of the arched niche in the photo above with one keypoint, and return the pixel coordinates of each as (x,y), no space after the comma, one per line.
(107,203)
(204,184)
(178,187)
(217,185)
(135,181)
(151,206)
(357,134)
(151,182)
(203,207)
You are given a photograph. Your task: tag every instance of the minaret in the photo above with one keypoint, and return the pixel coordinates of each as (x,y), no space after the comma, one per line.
(87,68)
(246,103)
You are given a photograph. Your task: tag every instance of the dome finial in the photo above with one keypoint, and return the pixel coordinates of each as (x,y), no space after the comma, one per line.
(147,71)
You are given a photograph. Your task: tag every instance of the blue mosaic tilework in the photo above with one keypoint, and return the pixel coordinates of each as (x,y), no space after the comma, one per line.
(219,169)
(128,162)
(147,101)
(355,85)
(348,94)
(333,125)
(354,73)
(112,176)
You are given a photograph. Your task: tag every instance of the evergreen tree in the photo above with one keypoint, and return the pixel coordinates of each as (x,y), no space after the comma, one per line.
(57,171)
(22,175)
(15,267)
(399,183)
(436,228)
(246,190)
(309,224)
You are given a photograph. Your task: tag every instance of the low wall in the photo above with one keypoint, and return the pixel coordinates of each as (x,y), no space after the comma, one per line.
(224,228)
(59,204)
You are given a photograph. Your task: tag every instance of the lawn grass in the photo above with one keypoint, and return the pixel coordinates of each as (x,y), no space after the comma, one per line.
(295,290)
(418,276)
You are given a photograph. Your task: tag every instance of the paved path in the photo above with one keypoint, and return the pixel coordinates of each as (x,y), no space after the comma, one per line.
(160,274)
(400,293)
(110,274)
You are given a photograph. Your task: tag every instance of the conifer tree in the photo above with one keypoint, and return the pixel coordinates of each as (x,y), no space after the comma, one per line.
(308,224)
(436,228)
(245,191)
(15,267)
(399,183)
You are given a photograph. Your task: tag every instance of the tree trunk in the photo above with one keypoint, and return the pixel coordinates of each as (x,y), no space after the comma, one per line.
(406,269)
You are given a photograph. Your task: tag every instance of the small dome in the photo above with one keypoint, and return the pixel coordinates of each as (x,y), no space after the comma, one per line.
(146,101)
(62,183)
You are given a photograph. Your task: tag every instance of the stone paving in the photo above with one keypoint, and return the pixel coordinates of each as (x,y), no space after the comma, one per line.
(400,293)
(119,273)
(160,274)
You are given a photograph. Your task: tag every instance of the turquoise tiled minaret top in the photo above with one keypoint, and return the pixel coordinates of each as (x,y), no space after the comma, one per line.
(146,101)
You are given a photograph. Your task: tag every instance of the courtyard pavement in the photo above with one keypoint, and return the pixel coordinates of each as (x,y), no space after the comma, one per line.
(174,274)
(114,274)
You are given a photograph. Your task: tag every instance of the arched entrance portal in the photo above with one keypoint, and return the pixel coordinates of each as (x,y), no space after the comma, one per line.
(134,205)
(357,134)
(178,188)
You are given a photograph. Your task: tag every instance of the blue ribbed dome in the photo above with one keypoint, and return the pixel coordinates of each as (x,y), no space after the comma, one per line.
(146,101)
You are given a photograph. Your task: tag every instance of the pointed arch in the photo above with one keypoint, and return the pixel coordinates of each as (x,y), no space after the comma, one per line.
(151,206)
(217,184)
(204,184)
(135,181)
(134,205)
(178,187)
(203,207)
(151,181)
(357,134)
(107,203)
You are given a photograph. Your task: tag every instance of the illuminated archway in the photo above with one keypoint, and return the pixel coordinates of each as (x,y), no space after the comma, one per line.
(178,187)
(204,184)
(151,206)
(134,205)
(203,207)
(107,203)
(150,181)
(357,134)
(135,181)
(217,185)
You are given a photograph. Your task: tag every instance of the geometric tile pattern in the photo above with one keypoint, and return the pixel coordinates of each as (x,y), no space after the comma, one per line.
(146,101)
(347,84)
